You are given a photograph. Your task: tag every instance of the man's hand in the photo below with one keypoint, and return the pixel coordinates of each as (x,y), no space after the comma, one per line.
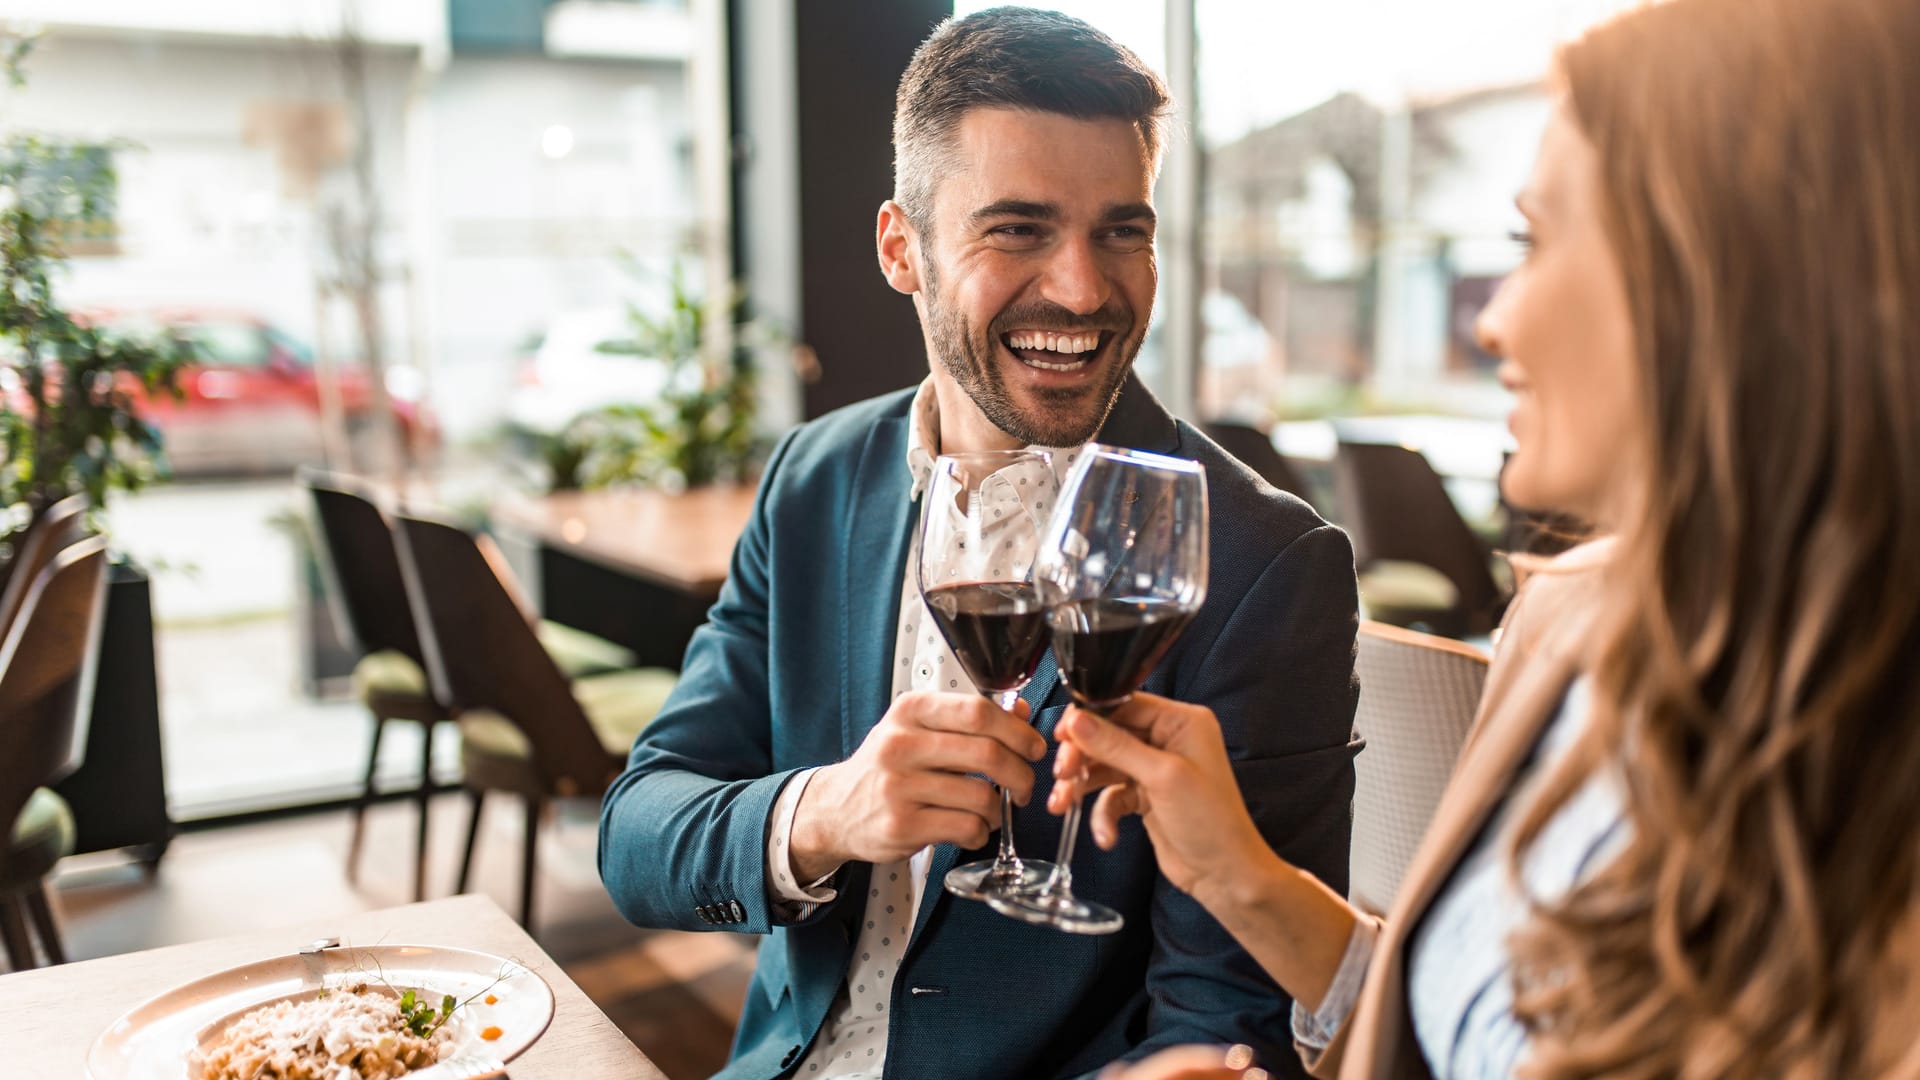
(914,781)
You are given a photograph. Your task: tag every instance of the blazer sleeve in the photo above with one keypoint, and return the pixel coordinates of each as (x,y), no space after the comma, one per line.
(684,827)
(1280,678)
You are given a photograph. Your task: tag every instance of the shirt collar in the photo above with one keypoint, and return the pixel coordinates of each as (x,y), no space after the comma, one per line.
(923,440)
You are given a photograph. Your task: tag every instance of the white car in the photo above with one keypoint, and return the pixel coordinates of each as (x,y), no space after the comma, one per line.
(567,375)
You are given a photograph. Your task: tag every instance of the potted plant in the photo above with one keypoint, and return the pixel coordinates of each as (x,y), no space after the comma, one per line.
(70,423)
(69,391)
(701,430)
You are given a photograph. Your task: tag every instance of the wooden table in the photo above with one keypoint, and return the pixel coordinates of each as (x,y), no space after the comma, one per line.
(636,567)
(51,1016)
(683,541)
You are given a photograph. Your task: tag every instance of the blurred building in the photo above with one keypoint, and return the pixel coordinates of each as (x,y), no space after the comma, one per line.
(1353,244)
(516,147)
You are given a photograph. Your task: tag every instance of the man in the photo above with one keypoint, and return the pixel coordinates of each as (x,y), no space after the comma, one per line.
(819,768)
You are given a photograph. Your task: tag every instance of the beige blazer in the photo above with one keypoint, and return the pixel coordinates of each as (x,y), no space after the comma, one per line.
(1543,646)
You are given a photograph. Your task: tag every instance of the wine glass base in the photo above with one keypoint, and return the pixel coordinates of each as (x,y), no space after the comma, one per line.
(980,881)
(1068,913)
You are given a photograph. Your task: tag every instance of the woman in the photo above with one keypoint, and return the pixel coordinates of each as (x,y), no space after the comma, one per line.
(1682,839)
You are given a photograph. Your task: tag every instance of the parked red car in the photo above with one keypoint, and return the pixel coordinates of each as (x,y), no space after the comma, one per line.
(251,395)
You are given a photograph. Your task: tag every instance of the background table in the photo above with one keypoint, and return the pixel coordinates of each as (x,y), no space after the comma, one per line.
(51,1016)
(636,567)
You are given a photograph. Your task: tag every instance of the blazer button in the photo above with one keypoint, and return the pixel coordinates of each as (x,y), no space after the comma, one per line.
(705,915)
(788,1059)
(739,913)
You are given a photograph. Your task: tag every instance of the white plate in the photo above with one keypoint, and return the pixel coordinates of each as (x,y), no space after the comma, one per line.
(152,1041)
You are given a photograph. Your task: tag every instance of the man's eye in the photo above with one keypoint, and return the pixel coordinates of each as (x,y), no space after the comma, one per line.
(1017,231)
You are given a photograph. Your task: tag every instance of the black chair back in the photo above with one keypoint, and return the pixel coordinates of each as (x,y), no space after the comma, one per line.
(482,654)
(47,664)
(362,566)
(1396,507)
(1255,449)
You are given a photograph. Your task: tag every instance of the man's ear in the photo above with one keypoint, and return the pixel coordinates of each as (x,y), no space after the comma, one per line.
(899,248)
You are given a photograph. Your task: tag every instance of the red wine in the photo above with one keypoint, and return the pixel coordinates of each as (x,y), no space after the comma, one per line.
(997,630)
(1107,648)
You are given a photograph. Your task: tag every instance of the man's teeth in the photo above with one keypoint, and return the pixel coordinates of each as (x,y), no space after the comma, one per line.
(1042,341)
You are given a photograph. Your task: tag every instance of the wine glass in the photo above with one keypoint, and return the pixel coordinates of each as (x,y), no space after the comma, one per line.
(1122,570)
(980,528)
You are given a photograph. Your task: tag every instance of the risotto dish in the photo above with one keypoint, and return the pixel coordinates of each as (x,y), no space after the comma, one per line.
(355,1033)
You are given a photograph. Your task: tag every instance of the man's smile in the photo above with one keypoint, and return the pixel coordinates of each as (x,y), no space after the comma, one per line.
(1054,350)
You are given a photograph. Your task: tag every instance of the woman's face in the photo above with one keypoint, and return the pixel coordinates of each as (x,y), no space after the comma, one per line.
(1561,326)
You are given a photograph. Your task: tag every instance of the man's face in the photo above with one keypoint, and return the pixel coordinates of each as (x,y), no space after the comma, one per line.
(1037,283)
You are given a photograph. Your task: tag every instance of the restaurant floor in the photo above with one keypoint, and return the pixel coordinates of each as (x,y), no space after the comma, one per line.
(676,995)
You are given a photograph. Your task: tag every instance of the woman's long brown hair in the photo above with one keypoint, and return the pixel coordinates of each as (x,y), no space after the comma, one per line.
(1760,679)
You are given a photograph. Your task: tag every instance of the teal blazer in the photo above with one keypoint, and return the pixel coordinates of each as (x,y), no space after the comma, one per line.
(793,668)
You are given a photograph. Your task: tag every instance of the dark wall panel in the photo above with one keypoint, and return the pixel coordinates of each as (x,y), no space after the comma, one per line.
(848,58)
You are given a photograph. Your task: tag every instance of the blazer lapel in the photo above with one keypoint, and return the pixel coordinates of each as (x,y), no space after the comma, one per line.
(880,520)
(1139,422)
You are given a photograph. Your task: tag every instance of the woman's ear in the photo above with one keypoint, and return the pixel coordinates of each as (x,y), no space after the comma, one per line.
(899,248)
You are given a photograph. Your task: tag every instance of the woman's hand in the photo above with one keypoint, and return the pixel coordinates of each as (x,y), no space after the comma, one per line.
(1167,762)
(1189,1063)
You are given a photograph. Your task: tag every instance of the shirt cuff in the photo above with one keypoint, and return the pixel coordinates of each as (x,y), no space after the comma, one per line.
(791,900)
(1315,1031)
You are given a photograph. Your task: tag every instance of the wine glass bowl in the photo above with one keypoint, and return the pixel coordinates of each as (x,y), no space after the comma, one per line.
(980,528)
(1121,571)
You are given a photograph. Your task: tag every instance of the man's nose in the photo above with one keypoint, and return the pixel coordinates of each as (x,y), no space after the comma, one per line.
(1076,279)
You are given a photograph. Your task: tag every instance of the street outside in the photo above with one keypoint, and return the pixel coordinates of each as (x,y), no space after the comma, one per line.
(239,730)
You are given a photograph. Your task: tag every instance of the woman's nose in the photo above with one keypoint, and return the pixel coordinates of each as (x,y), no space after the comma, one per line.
(1489,327)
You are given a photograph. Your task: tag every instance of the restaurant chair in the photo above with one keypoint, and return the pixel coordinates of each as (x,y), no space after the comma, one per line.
(357,556)
(525,728)
(1255,449)
(1418,696)
(63,523)
(1419,564)
(47,663)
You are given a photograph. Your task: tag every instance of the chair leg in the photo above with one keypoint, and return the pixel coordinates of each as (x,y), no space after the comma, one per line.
(366,797)
(528,862)
(475,797)
(40,908)
(13,933)
(424,798)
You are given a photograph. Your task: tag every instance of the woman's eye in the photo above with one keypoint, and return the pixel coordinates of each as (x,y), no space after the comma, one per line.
(1522,237)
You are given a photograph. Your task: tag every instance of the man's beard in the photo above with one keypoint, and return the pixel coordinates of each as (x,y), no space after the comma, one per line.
(1064,416)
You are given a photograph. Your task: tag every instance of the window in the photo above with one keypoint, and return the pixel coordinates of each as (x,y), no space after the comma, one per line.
(1359,162)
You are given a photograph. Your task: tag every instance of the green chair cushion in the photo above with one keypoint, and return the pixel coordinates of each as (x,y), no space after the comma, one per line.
(619,705)
(1389,587)
(389,671)
(577,653)
(42,835)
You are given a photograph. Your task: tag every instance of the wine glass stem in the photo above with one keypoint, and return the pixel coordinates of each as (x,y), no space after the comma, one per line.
(1060,882)
(1007,862)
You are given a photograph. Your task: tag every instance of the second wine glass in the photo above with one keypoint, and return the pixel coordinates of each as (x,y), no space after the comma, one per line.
(979,531)
(1122,570)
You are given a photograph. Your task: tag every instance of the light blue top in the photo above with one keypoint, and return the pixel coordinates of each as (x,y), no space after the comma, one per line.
(1459,969)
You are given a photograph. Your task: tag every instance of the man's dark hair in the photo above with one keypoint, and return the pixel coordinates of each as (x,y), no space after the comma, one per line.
(1013,58)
